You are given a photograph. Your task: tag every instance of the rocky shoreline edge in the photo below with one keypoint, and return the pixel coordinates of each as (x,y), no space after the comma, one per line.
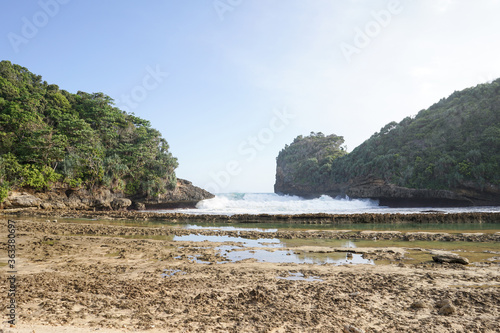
(86,229)
(319,218)
(61,197)
(390,195)
(90,275)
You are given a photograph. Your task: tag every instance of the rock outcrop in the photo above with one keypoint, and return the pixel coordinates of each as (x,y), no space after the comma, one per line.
(448,257)
(184,195)
(393,196)
(445,156)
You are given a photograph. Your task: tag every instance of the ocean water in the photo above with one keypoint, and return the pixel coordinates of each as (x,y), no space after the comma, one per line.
(270,203)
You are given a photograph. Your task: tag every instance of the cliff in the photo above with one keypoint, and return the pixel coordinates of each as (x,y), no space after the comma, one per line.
(79,151)
(185,194)
(447,155)
(395,196)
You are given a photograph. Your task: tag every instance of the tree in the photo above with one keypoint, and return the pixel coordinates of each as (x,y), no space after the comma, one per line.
(49,135)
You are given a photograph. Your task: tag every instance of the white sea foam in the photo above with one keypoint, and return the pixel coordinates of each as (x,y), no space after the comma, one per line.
(270,203)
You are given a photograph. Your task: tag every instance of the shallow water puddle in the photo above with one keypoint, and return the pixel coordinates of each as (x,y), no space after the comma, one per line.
(298,276)
(247,242)
(271,250)
(227,228)
(289,257)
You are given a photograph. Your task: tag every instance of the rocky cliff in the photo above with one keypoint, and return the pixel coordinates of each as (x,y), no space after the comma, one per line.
(446,155)
(185,194)
(394,196)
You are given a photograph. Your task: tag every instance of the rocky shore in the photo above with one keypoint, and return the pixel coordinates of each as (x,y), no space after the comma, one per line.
(310,219)
(393,196)
(61,197)
(115,230)
(81,277)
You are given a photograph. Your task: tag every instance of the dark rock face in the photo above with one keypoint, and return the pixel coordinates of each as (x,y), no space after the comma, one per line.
(184,195)
(121,203)
(393,196)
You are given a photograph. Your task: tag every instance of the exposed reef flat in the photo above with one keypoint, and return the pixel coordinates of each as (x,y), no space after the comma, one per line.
(319,218)
(116,230)
(81,277)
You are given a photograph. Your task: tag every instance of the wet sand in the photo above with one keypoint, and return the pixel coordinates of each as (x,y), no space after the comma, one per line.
(87,277)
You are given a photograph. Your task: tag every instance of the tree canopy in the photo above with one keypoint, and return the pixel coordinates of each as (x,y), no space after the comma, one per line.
(49,135)
(453,144)
(309,160)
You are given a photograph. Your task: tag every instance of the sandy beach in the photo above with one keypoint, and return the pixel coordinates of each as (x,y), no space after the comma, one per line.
(83,278)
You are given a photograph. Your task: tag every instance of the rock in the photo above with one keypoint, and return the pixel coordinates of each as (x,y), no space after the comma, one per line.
(418,305)
(140,206)
(46,206)
(100,203)
(445,306)
(352,329)
(23,200)
(397,196)
(447,310)
(59,205)
(121,203)
(443,302)
(185,195)
(376,189)
(450,258)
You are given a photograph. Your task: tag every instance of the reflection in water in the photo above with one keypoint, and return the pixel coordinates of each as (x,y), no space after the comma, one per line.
(273,252)
(298,276)
(289,257)
(247,242)
(227,228)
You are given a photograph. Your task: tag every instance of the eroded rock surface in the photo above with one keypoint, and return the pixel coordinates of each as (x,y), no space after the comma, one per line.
(63,198)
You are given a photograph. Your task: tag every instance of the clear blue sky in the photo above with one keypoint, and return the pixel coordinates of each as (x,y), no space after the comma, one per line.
(230,82)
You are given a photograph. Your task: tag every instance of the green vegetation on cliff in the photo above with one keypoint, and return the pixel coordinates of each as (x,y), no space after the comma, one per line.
(309,160)
(49,135)
(453,144)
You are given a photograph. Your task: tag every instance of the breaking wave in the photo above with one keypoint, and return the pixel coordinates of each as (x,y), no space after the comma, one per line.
(270,203)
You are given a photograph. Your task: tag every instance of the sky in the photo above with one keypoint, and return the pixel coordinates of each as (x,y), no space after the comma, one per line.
(229,83)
